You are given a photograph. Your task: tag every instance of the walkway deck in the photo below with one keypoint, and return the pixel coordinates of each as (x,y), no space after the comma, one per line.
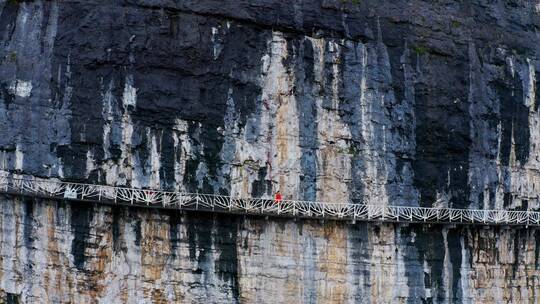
(54,189)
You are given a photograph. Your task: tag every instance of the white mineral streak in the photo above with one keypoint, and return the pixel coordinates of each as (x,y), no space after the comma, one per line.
(21,88)
(442,200)
(401,286)
(372,122)
(117,120)
(68,88)
(382,268)
(90,163)
(182,148)
(108,112)
(500,173)
(19,157)
(129,98)
(126,126)
(523,179)
(531,186)
(108,118)
(465,271)
(275,145)
(526,184)
(155,160)
(333,136)
(129,168)
(138,168)
(529,83)
(3,161)
(217,47)
(448,271)
(132,262)
(231,135)
(9,238)
(283,130)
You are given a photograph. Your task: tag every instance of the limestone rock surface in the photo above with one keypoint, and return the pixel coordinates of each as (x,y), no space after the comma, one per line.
(416,103)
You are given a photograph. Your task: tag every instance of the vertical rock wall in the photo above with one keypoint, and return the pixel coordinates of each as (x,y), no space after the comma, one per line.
(83,253)
(380,102)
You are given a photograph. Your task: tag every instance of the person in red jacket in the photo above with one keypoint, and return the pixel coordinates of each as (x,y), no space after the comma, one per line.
(277,197)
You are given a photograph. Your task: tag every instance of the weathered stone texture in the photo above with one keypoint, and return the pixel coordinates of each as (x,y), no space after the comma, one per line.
(429,103)
(124,255)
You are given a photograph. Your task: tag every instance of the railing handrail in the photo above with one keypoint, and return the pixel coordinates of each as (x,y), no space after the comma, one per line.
(30,185)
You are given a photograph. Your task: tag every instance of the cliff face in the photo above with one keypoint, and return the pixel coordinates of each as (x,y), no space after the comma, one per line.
(381,102)
(81,253)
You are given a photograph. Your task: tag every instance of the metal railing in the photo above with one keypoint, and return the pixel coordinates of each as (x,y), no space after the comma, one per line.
(47,188)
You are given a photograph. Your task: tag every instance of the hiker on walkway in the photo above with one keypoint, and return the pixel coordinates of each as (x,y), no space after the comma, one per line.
(277,197)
